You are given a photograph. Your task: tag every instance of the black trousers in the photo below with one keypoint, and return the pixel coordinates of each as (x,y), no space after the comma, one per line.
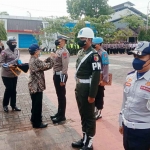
(99,99)
(136,139)
(36,111)
(86,109)
(108,51)
(61,95)
(10,91)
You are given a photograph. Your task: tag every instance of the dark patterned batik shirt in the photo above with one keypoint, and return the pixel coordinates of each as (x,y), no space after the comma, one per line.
(37,79)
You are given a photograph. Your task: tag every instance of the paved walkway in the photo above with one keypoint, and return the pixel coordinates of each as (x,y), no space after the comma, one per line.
(16,132)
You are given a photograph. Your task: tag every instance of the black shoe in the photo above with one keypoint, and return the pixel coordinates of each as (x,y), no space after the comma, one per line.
(6,109)
(41,126)
(87,148)
(52,117)
(58,119)
(16,108)
(78,144)
(57,114)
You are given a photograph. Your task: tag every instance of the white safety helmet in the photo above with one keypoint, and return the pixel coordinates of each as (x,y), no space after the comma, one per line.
(86,33)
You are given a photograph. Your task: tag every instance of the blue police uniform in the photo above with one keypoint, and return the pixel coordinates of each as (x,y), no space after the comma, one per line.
(99,99)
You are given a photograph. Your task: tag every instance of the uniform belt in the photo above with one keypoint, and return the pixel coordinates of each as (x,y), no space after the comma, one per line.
(134,125)
(57,72)
(83,80)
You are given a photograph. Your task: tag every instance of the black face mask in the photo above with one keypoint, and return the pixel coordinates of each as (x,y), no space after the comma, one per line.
(12,47)
(82,43)
(57,42)
(94,46)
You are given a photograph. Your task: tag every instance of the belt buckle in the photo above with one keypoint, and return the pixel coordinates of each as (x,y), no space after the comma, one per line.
(133,125)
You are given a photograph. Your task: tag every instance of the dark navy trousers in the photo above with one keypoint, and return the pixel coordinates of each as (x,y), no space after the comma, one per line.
(136,139)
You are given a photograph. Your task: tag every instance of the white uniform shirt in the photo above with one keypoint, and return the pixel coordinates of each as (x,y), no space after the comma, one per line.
(136,99)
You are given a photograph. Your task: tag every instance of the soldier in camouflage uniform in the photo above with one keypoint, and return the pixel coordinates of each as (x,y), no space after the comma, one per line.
(87,78)
(37,84)
(60,77)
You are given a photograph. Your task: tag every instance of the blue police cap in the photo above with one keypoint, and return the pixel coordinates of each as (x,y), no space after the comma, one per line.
(142,49)
(97,40)
(33,48)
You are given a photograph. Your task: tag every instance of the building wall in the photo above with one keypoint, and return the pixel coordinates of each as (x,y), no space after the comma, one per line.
(118,24)
(119,14)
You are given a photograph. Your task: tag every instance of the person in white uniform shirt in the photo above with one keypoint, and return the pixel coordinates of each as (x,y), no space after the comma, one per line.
(135,112)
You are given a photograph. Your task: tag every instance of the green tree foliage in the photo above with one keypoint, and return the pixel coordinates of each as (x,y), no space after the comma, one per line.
(92,8)
(3,34)
(133,21)
(80,24)
(102,26)
(54,26)
(4,13)
(144,35)
(122,35)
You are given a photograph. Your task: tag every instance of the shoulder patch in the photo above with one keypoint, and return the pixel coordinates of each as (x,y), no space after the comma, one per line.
(105,60)
(96,57)
(79,52)
(131,72)
(64,54)
(2,53)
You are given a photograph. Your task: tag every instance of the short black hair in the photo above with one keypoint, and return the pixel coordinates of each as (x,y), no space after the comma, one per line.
(32,53)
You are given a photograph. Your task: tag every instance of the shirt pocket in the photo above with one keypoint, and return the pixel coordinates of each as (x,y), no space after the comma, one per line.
(146,96)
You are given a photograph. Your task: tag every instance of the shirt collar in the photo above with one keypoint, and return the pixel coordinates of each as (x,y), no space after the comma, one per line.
(88,50)
(146,76)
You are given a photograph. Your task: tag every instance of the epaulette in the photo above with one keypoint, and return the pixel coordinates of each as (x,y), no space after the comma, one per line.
(79,52)
(131,72)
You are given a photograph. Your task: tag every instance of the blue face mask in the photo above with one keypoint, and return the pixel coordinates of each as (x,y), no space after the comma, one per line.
(138,64)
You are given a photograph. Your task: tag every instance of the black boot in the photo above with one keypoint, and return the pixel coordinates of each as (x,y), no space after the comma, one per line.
(16,108)
(98,115)
(88,144)
(59,119)
(6,109)
(80,143)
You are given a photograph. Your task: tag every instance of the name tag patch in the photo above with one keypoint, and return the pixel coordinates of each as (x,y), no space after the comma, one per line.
(145,88)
